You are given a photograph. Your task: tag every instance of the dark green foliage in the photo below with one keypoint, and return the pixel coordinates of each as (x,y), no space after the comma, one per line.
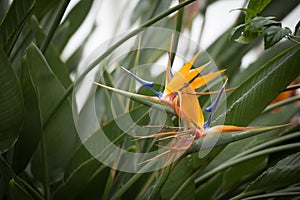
(51,145)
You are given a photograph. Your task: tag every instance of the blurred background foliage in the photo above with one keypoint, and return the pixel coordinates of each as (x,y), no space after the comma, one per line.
(42,156)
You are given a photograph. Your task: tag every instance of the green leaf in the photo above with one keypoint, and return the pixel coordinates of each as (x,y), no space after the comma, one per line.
(258,24)
(254,94)
(227,137)
(52,56)
(30,134)
(235,30)
(235,149)
(59,134)
(45,7)
(13,22)
(231,59)
(18,192)
(246,38)
(178,176)
(255,27)
(79,179)
(285,172)
(82,167)
(256,6)
(232,162)
(274,34)
(263,58)
(235,175)
(11,104)
(71,24)
(208,189)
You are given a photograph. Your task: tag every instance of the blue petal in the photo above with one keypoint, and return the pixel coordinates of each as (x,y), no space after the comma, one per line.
(214,106)
(170,74)
(145,83)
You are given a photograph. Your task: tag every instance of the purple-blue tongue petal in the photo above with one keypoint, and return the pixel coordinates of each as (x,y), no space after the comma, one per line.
(145,83)
(214,106)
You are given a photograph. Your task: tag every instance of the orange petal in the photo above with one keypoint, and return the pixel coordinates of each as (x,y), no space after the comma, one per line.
(202,80)
(211,92)
(230,128)
(190,108)
(180,78)
(186,68)
(194,72)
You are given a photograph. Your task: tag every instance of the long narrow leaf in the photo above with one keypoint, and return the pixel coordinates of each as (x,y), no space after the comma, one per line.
(13,22)
(11,104)
(285,172)
(251,97)
(30,134)
(60,129)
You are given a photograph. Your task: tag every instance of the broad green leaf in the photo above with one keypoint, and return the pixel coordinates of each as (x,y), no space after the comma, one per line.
(246,38)
(71,24)
(285,172)
(223,139)
(274,34)
(235,30)
(265,57)
(253,95)
(254,28)
(23,41)
(78,172)
(281,117)
(130,185)
(18,192)
(228,137)
(234,176)
(79,179)
(208,189)
(94,188)
(59,133)
(232,162)
(13,22)
(11,104)
(30,134)
(258,24)
(58,67)
(290,192)
(255,7)
(198,165)
(178,176)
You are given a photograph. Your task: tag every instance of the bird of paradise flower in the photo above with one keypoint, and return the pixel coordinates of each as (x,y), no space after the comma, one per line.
(180,94)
